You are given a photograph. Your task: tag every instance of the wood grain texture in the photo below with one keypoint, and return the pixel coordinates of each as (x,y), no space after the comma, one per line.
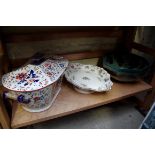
(145,49)
(19,38)
(42,29)
(1,68)
(85,55)
(4,60)
(150,97)
(70,56)
(4,117)
(61,45)
(69,101)
(1,48)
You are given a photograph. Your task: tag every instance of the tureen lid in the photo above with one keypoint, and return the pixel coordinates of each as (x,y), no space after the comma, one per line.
(35,77)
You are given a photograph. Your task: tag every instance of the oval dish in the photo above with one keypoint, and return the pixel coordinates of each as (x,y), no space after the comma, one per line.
(88,78)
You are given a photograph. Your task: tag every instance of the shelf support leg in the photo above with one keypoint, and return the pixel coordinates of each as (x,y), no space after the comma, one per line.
(4,117)
(150,97)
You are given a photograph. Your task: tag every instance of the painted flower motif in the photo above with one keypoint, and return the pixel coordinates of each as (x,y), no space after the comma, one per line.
(61,65)
(49,73)
(32,75)
(36,99)
(47,64)
(21,76)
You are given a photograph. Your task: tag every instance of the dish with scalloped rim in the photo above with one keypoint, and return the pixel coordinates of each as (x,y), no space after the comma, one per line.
(88,78)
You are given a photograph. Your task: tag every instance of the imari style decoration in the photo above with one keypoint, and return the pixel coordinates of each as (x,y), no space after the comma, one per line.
(35,86)
(88,78)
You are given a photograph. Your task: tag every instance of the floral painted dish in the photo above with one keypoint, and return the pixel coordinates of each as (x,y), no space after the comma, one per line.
(88,78)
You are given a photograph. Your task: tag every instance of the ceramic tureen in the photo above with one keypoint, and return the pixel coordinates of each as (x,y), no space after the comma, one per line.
(35,86)
(88,78)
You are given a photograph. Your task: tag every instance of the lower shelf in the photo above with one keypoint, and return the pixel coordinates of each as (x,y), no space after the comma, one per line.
(69,101)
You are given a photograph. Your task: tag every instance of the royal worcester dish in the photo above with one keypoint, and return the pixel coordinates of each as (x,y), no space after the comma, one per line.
(88,78)
(35,86)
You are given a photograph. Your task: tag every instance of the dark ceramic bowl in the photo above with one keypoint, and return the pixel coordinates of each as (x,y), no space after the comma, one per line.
(126,67)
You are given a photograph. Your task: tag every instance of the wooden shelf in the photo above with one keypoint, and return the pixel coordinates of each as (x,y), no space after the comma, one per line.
(69,101)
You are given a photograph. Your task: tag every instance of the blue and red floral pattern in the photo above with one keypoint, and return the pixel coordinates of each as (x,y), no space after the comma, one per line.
(27,78)
(40,84)
(32,77)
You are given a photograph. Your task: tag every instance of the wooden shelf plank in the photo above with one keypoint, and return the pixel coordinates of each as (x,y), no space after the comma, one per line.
(69,101)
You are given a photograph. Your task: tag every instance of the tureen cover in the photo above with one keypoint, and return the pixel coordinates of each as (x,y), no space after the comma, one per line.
(34,77)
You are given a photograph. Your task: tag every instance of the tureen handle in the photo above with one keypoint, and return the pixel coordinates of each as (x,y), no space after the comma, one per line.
(20,98)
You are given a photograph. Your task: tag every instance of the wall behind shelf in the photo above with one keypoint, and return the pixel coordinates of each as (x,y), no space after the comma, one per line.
(92,61)
(62,45)
(23,42)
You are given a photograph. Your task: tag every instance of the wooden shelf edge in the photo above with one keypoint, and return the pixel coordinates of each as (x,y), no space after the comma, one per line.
(66,113)
(62,113)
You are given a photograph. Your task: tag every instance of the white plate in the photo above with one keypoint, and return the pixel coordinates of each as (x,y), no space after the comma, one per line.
(88,78)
